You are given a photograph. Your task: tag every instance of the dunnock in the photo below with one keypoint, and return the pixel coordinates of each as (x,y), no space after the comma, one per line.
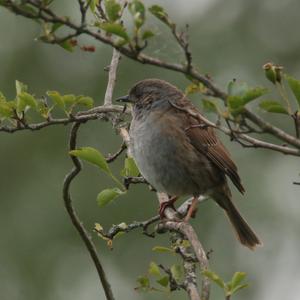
(180,155)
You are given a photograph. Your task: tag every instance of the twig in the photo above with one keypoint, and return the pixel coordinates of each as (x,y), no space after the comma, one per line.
(112,157)
(115,229)
(92,114)
(75,219)
(112,75)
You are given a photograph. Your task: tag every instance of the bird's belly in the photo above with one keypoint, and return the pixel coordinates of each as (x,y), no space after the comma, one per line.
(164,162)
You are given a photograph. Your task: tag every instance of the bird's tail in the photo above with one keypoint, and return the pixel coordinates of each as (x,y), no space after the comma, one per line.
(244,233)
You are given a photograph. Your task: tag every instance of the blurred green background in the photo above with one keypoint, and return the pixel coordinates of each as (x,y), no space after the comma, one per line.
(42,256)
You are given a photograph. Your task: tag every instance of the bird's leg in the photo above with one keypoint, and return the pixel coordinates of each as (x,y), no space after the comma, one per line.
(165,204)
(192,209)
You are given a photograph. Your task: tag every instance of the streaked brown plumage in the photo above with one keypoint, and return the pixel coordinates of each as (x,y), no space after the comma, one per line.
(179,155)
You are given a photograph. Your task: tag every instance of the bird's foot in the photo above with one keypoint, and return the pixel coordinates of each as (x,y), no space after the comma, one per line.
(191,210)
(165,204)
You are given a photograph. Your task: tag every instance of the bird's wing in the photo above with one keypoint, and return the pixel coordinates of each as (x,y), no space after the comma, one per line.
(205,140)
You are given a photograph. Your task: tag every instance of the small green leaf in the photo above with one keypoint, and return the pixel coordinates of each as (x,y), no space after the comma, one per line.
(67,45)
(236,88)
(56,98)
(209,105)
(164,281)
(273,106)
(163,249)
(235,104)
(116,29)
(55,27)
(137,9)
(92,156)
(69,99)
(5,110)
(43,110)
(294,85)
(147,34)
(24,99)
(86,101)
(160,13)
(144,281)
(254,93)
(2,98)
(93,4)
(112,8)
(214,277)
(237,278)
(238,287)
(108,195)
(130,168)
(154,269)
(21,87)
(177,272)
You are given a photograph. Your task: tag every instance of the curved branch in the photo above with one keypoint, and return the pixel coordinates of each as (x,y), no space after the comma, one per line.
(75,219)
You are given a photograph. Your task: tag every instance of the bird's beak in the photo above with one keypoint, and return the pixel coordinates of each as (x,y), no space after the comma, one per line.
(123,99)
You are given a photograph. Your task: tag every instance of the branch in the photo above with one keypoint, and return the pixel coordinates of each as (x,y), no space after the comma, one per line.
(98,112)
(75,219)
(49,16)
(112,77)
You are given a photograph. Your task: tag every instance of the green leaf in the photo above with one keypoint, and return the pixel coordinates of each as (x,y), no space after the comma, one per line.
(21,87)
(92,156)
(137,9)
(86,101)
(254,93)
(235,104)
(130,168)
(112,8)
(69,99)
(160,13)
(163,249)
(294,85)
(24,99)
(147,34)
(5,110)
(236,88)
(93,4)
(55,27)
(56,98)
(108,195)
(237,278)
(273,106)
(238,287)
(43,110)
(214,277)
(67,45)
(177,272)
(2,98)
(144,281)
(164,281)
(116,29)
(154,269)
(209,105)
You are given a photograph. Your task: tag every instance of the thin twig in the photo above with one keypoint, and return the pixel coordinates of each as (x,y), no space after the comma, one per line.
(75,219)
(112,75)
(114,156)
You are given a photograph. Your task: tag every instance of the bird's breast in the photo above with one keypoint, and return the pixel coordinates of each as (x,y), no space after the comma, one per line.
(164,155)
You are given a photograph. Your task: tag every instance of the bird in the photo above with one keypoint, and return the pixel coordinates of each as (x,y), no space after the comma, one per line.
(179,154)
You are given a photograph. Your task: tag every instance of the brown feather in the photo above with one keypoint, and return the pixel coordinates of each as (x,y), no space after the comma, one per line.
(205,140)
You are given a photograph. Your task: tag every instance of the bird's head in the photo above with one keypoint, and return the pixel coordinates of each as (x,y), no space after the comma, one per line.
(150,94)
